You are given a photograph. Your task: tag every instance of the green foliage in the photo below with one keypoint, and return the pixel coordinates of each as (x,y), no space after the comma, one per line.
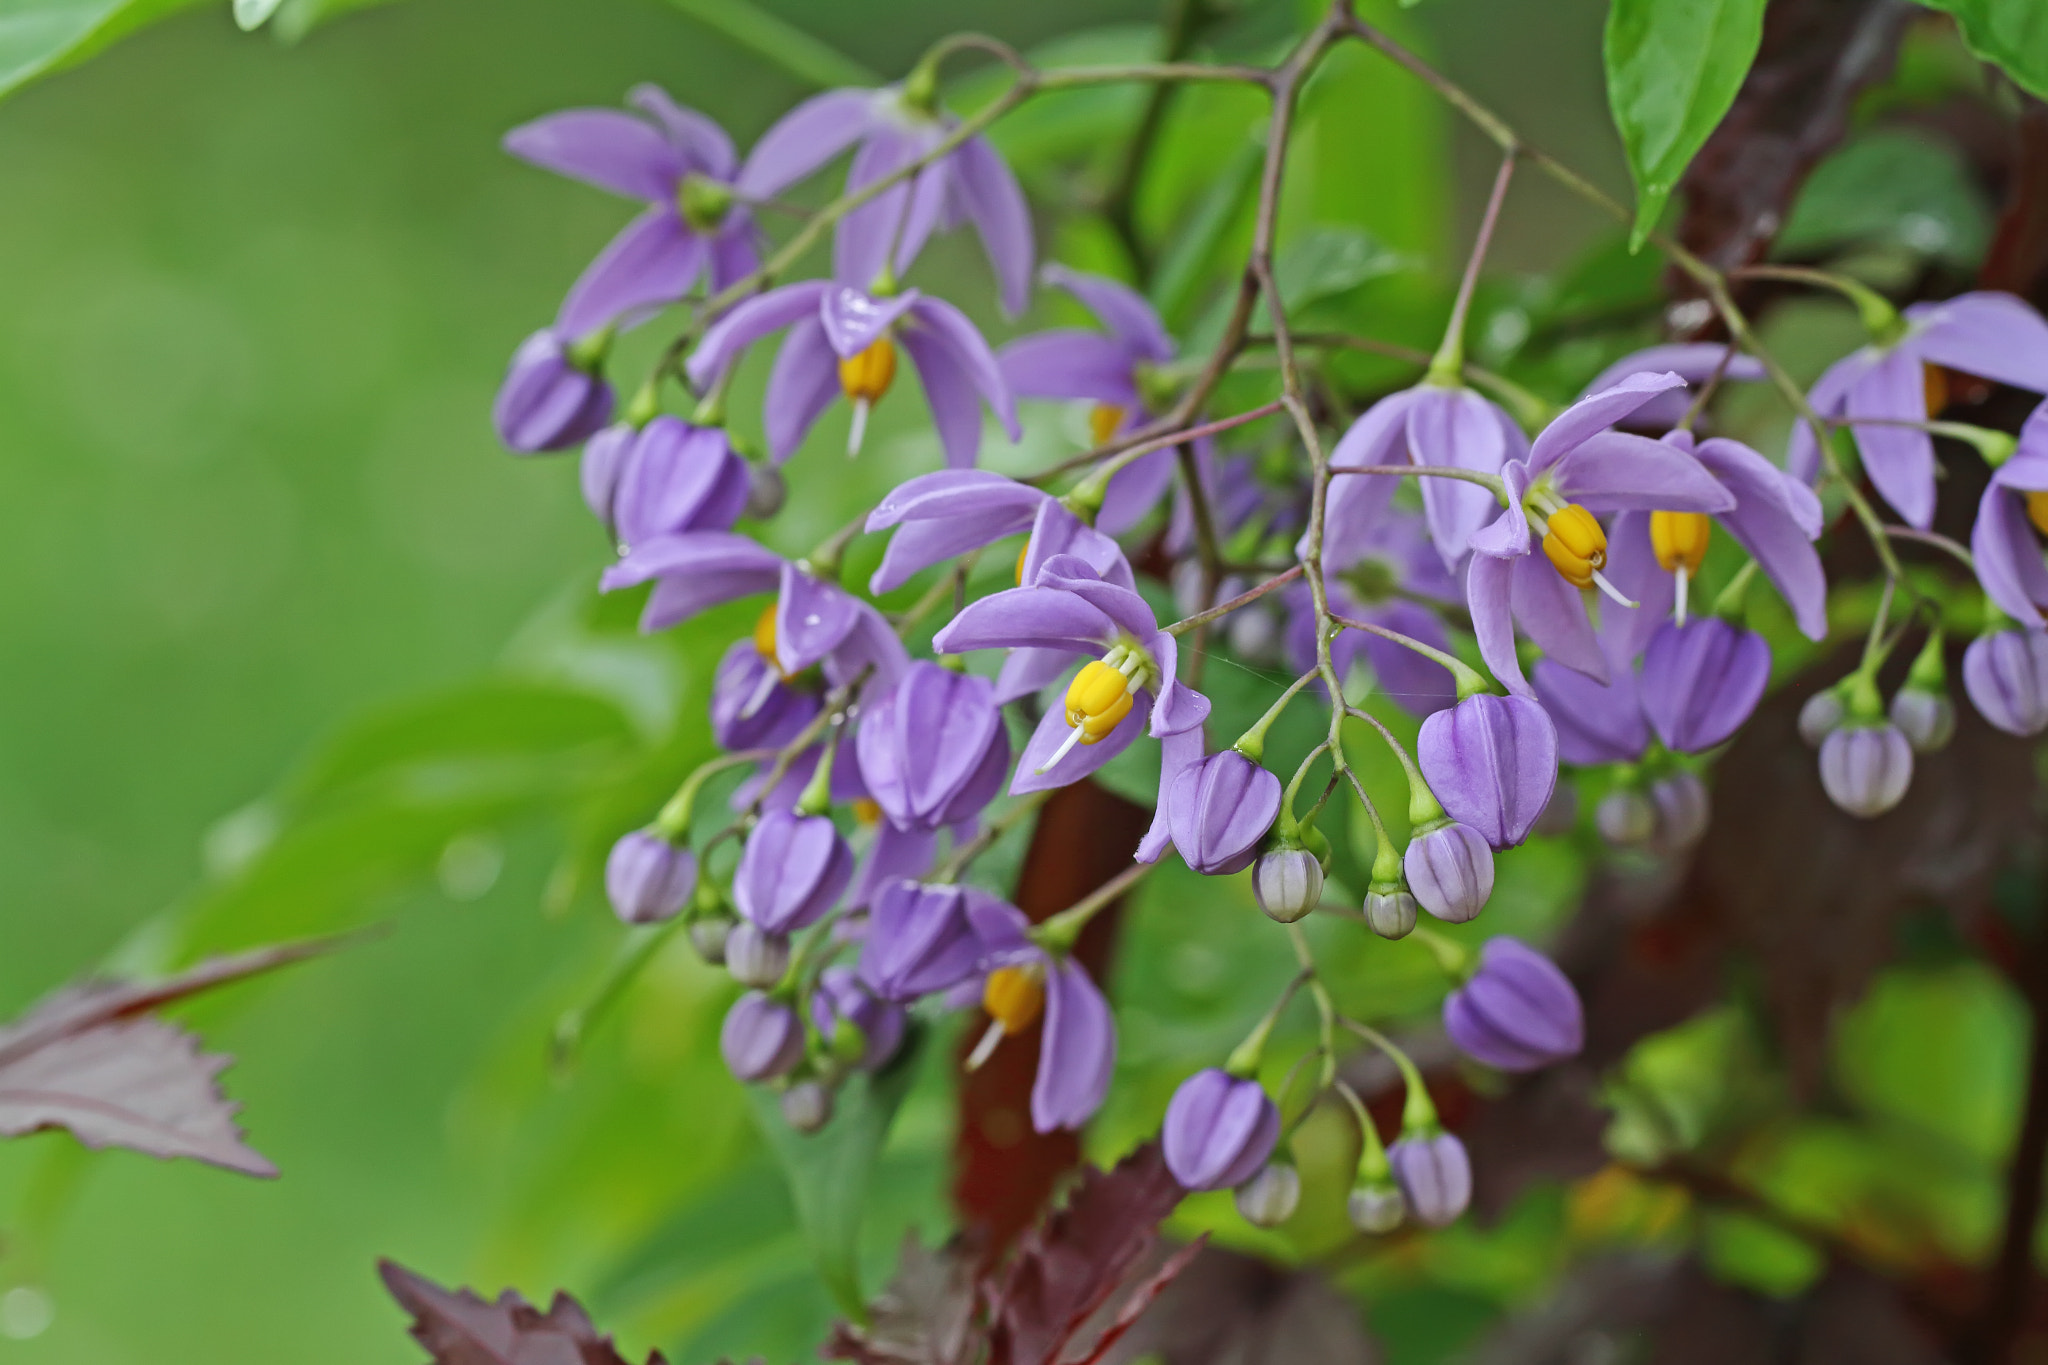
(1891,187)
(41,36)
(2013,34)
(1673,68)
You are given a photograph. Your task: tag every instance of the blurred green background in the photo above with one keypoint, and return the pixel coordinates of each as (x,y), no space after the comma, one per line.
(256,301)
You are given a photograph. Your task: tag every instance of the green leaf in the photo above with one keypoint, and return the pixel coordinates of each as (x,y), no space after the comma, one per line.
(40,36)
(1331,261)
(251,15)
(2010,34)
(1893,186)
(829,1171)
(1673,67)
(779,42)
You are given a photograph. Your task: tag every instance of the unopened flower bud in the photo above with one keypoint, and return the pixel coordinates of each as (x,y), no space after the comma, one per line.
(1390,910)
(762,1038)
(1219,810)
(552,396)
(1450,870)
(792,871)
(807,1106)
(647,878)
(1492,762)
(1517,1011)
(709,935)
(1927,719)
(1269,1198)
(1820,715)
(766,491)
(1435,1176)
(754,956)
(1683,810)
(1219,1130)
(1376,1207)
(1625,817)
(861,1028)
(1866,768)
(2006,677)
(1288,883)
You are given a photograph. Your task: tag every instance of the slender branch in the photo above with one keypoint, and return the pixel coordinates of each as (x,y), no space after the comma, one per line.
(1062,929)
(1490,482)
(1450,357)
(1133,450)
(1935,539)
(1243,599)
(1185,22)
(989,834)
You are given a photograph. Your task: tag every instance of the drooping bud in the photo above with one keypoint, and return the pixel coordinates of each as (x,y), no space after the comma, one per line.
(919,940)
(766,491)
(1517,1012)
(1492,762)
(647,878)
(1435,1176)
(676,477)
(1390,913)
(934,750)
(552,397)
(1269,1198)
(807,1106)
(1219,1130)
(1819,716)
(1450,870)
(793,869)
(762,1038)
(1866,768)
(860,1028)
(2005,675)
(1288,883)
(754,956)
(1701,681)
(1683,810)
(1219,809)
(1575,544)
(709,937)
(1625,817)
(1926,719)
(1376,1208)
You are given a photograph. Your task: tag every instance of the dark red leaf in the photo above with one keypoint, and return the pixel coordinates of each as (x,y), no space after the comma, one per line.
(924,1317)
(1227,1308)
(462,1329)
(1139,1299)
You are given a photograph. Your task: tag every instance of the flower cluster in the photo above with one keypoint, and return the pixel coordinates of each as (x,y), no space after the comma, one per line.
(1533,592)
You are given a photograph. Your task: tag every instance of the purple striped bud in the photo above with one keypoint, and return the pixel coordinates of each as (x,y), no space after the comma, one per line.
(1517,1011)
(647,878)
(1822,712)
(934,750)
(1927,719)
(762,1038)
(1288,883)
(1269,1198)
(1390,912)
(1866,768)
(1219,1130)
(754,956)
(1683,810)
(672,477)
(1450,870)
(2006,677)
(1492,762)
(550,400)
(861,1028)
(1218,811)
(919,940)
(1435,1177)
(1625,817)
(1701,681)
(792,870)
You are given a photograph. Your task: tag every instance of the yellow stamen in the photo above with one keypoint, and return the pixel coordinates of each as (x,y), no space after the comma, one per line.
(764,639)
(1575,544)
(2037,511)
(867,811)
(1934,387)
(1022,551)
(1680,539)
(1104,421)
(1098,690)
(1014,997)
(866,377)
(1096,728)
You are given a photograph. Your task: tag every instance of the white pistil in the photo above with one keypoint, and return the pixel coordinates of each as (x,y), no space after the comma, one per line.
(1600,581)
(859,430)
(1073,738)
(987,1046)
(762,691)
(1683,579)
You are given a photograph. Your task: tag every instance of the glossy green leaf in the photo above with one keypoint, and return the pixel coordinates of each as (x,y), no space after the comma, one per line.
(253,14)
(40,36)
(2011,34)
(1893,187)
(1673,68)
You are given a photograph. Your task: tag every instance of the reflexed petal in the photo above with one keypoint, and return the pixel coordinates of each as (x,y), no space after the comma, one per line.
(652,262)
(1122,607)
(996,207)
(1458,428)
(1993,335)
(1694,361)
(803,384)
(1771,520)
(951,329)
(1899,460)
(946,514)
(949,392)
(1827,397)
(810,618)
(854,320)
(1595,412)
(1552,613)
(601,147)
(696,570)
(699,139)
(1488,594)
(1507,535)
(1358,503)
(1069,363)
(1613,471)
(806,138)
(1057,531)
(1177,753)
(1081,760)
(2008,553)
(1028,617)
(1078,1052)
(1122,309)
(1025,671)
(1180,708)
(861,242)
(871,646)
(748,322)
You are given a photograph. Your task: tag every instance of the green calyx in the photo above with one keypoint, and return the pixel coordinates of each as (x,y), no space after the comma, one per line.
(703,202)
(817,795)
(644,407)
(587,353)
(1929,672)
(920,89)
(1863,704)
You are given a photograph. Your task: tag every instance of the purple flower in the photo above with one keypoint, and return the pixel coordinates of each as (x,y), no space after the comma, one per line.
(553,395)
(933,750)
(814,621)
(842,341)
(751,706)
(1517,1012)
(1701,680)
(1577,467)
(2005,540)
(842,1001)
(1991,335)
(1077,1050)
(1430,424)
(1866,768)
(1492,763)
(919,939)
(1114,372)
(664,478)
(762,1038)
(1435,1176)
(647,878)
(1218,809)
(682,165)
(1693,361)
(969,183)
(1219,1130)
(1450,870)
(894,853)
(1071,608)
(2006,676)
(1596,722)
(793,869)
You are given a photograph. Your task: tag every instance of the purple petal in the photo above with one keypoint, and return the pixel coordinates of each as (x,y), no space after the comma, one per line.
(1993,335)
(601,147)
(1507,535)
(748,322)
(1455,427)
(1057,531)
(946,514)
(1025,671)
(870,647)
(806,138)
(1124,311)
(702,143)
(1771,519)
(2008,553)
(1613,471)
(1358,503)
(1518,1012)
(1632,567)
(949,392)
(1419,685)
(803,384)
(854,321)
(652,262)
(734,251)
(1899,460)
(1826,397)
(995,205)
(1028,617)
(1595,412)
(951,329)
(1180,708)
(1552,613)
(1080,761)
(1135,490)
(1069,363)
(1488,596)
(1693,361)
(1596,723)
(810,618)
(1177,753)
(1492,762)
(1702,680)
(698,569)
(1122,607)
(1078,1051)
(861,242)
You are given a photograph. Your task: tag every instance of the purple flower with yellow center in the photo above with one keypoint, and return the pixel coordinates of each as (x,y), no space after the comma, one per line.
(2006,540)
(1374,573)
(677,161)
(554,394)
(1894,383)
(1117,371)
(891,128)
(1071,608)
(664,478)
(1022,981)
(810,622)
(1577,467)
(1492,763)
(1442,425)
(933,749)
(843,342)
(1517,1011)
(1701,681)
(752,705)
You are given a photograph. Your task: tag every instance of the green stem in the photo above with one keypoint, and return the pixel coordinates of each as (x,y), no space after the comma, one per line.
(1418,1116)
(1246,1058)
(1423,807)
(1252,743)
(673,821)
(1448,365)
(1059,934)
(1470,683)
(1880,319)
